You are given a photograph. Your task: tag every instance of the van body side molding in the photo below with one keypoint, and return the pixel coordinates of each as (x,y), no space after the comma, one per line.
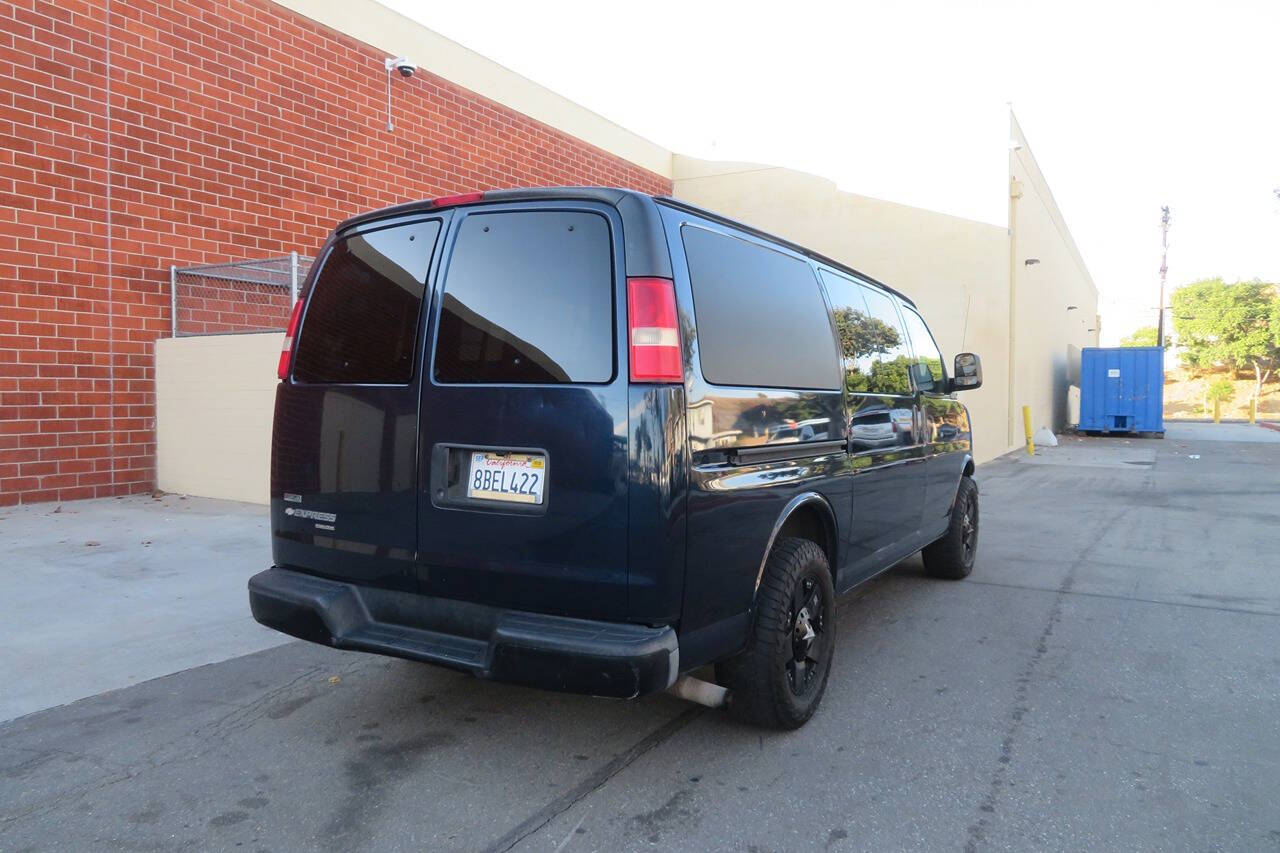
(783,452)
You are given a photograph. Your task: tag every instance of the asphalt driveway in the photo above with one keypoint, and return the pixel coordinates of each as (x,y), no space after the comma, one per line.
(1109,677)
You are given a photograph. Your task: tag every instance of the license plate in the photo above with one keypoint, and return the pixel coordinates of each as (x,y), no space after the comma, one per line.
(514,477)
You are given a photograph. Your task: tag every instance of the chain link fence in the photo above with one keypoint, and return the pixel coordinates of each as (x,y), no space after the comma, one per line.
(252,295)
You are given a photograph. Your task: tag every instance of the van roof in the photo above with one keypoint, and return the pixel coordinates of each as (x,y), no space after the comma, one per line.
(646,255)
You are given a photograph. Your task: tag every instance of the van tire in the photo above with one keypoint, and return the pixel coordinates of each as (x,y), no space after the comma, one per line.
(762,678)
(952,556)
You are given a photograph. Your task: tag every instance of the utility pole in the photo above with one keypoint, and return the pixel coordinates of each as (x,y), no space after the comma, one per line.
(1164,271)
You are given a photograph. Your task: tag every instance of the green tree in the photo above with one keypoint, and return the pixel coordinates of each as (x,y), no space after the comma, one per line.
(1275,322)
(855,381)
(861,335)
(1144,336)
(1228,324)
(889,377)
(1223,389)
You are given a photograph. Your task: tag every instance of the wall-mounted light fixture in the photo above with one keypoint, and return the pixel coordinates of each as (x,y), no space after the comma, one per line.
(406,69)
(1030,262)
(1071,307)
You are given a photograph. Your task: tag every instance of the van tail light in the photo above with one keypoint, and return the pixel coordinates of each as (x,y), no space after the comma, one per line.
(653,331)
(286,349)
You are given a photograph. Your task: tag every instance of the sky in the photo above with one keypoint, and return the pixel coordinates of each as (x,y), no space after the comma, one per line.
(1127,106)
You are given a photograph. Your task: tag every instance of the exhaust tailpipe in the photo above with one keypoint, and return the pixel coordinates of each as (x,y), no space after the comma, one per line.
(702,692)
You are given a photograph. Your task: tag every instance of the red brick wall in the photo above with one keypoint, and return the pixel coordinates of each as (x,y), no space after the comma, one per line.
(139,134)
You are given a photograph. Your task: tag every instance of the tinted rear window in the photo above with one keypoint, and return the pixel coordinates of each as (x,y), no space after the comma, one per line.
(760,314)
(528,298)
(361,322)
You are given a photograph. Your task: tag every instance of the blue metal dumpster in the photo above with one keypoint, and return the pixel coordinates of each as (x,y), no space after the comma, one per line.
(1122,389)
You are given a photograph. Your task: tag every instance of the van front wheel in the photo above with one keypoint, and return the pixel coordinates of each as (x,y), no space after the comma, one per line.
(951,557)
(779,679)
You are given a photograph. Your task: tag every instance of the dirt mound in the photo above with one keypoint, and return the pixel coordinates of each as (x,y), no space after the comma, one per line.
(1184,395)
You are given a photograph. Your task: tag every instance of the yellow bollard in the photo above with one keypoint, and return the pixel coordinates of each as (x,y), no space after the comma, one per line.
(1026,427)
(1253,410)
(1217,411)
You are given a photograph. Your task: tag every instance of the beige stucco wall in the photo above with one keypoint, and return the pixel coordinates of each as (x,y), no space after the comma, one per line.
(955,270)
(375,24)
(215,398)
(1045,333)
(959,272)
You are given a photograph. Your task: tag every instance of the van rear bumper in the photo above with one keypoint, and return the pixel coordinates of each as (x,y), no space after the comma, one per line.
(533,649)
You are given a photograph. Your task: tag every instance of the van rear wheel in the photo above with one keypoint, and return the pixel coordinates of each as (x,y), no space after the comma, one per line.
(779,679)
(952,556)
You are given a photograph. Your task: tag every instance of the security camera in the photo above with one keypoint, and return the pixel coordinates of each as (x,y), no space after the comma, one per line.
(404,66)
(406,69)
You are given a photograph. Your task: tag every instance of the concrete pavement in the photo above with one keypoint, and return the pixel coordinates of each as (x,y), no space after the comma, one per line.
(1107,678)
(100,594)
(1189,431)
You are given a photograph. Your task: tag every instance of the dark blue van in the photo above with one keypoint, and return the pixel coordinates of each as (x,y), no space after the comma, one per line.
(588,440)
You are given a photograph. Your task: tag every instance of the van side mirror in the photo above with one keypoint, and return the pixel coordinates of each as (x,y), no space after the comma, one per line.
(968,372)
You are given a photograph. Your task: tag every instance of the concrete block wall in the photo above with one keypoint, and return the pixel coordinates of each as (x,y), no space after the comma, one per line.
(215,398)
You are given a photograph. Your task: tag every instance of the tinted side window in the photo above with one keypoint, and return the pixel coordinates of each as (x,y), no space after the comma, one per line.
(528,298)
(361,322)
(862,337)
(929,374)
(889,358)
(760,314)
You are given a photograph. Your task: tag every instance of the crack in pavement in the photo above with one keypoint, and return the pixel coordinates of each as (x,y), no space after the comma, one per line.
(593,782)
(1115,597)
(977,830)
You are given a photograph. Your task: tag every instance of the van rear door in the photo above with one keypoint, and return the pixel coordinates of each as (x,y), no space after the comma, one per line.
(523,436)
(344,458)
